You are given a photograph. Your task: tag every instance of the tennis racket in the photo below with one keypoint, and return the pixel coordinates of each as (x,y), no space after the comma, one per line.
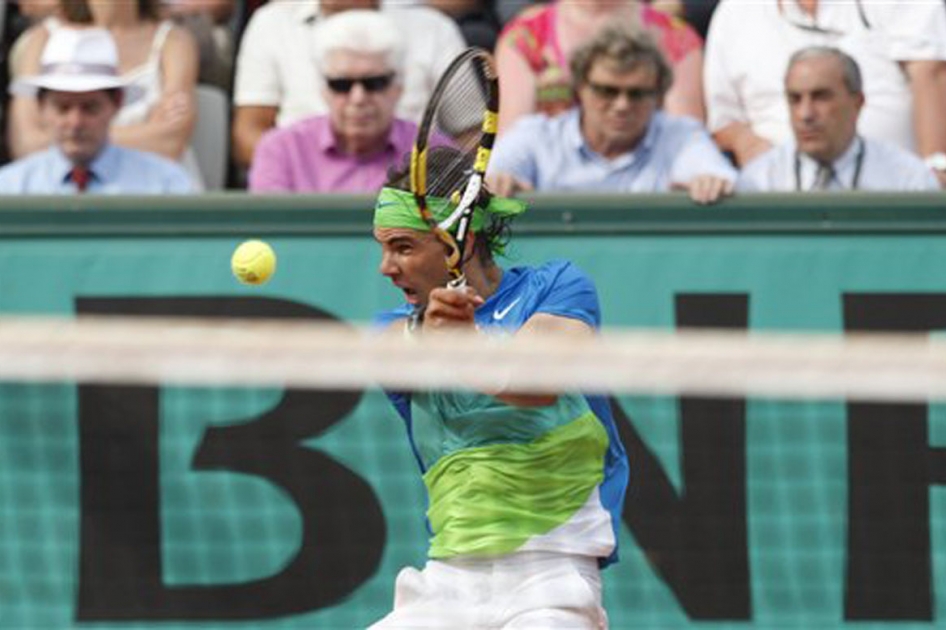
(452,150)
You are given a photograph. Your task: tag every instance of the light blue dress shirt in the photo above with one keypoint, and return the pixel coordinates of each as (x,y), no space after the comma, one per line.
(115,171)
(865,165)
(551,154)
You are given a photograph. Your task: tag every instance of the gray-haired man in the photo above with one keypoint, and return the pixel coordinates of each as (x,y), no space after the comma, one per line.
(825,96)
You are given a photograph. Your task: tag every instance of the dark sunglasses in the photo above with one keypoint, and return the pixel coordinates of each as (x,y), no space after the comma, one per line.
(376,83)
(611,92)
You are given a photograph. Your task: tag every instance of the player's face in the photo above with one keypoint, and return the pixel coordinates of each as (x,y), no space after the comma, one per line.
(617,105)
(361,91)
(823,111)
(79,121)
(413,261)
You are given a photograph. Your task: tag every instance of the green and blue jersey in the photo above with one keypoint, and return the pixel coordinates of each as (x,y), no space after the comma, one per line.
(502,478)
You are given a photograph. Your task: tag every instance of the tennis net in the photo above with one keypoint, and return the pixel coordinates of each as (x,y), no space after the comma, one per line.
(168,472)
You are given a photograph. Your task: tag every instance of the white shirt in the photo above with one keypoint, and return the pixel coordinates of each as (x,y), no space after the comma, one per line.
(749,45)
(276,63)
(866,165)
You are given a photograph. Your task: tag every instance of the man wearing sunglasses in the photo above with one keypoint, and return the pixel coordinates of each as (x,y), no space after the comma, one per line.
(349,149)
(616,139)
(276,83)
(899,46)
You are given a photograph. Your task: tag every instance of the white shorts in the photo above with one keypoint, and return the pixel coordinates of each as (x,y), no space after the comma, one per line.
(530,589)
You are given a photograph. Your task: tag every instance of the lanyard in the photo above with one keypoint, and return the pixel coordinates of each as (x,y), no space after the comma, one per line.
(858,165)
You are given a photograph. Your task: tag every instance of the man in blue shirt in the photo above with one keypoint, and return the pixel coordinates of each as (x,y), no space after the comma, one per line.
(525,491)
(80,92)
(616,139)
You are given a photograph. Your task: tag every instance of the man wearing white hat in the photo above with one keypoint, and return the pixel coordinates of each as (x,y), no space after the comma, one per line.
(80,92)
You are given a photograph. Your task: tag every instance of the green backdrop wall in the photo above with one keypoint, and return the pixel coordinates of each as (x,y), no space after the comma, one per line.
(180,507)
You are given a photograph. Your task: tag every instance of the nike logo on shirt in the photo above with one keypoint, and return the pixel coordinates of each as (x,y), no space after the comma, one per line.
(501,313)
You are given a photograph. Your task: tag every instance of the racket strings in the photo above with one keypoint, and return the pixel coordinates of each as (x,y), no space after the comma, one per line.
(457,123)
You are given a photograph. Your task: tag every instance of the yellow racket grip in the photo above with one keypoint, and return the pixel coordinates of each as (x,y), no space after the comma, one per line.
(490,122)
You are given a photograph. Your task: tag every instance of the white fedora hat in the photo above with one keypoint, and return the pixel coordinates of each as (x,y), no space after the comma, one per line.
(75,60)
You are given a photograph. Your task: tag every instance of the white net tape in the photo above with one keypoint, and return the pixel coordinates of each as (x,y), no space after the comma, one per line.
(879,367)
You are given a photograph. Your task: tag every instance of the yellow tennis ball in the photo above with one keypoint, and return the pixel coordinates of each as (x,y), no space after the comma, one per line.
(253,262)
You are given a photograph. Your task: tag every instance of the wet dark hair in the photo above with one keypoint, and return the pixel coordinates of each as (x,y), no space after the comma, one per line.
(446,166)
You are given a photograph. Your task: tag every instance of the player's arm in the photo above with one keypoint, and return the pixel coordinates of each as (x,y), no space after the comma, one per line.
(544,324)
(450,309)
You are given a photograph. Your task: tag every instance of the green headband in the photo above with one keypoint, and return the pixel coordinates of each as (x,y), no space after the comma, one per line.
(398,209)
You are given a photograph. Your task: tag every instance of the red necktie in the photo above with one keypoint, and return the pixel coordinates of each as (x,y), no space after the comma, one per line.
(80,176)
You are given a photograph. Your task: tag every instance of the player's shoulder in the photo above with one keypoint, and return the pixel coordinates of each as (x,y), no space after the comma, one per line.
(554,272)
(559,287)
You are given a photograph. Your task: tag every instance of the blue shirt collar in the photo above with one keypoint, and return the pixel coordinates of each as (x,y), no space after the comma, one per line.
(103,168)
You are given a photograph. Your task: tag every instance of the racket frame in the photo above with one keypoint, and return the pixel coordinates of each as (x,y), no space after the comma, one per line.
(463,213)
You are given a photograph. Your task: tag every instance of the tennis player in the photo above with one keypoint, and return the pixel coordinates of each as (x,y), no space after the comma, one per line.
(524,491)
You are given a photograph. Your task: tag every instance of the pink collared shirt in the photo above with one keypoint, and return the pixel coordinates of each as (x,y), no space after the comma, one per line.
(304,157)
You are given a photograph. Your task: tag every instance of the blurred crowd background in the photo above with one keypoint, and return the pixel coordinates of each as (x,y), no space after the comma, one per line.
(711,97)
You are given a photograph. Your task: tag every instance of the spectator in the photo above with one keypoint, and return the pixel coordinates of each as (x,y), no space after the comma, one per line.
(534,48)
(209,23)
(154,55)
(277,84)
(900,47)
(825,98)
(79,94)
(360,56)
(616,139)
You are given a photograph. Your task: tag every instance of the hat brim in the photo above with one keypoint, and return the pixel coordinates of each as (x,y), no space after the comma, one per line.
(86,83)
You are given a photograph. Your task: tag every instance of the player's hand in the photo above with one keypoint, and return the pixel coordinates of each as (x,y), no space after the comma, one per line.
(506,185)
(706,189)
(449,309)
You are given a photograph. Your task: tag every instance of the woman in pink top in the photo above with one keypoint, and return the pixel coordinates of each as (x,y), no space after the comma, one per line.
(534,47)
